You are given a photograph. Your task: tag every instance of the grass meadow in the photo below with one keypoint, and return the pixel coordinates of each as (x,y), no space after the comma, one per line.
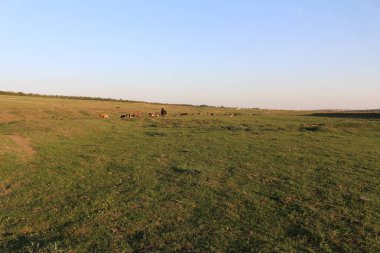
(261,181)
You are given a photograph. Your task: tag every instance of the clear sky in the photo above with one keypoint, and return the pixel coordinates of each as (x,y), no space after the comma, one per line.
(286,54)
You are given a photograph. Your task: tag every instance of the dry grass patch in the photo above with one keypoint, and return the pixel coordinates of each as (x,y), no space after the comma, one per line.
(23,144)
(15,144)
(7,187)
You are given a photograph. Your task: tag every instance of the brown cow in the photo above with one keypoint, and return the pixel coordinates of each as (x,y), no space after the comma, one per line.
(104,116)
(133,115)
(153,115)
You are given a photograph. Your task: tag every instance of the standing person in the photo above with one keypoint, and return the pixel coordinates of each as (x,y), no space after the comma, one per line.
(163,112)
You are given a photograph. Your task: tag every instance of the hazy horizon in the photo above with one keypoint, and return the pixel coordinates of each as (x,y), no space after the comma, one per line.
(272,54)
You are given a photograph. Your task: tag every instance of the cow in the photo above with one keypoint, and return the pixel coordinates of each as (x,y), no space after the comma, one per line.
(153,115)
(123,116)
(163,112)
(183,114)
(133,115)
(104,116)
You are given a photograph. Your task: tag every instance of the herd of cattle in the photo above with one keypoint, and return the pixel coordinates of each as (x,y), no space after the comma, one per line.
(163,113)
(136,115)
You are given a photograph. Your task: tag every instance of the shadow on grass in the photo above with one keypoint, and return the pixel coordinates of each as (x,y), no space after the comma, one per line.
(155,134)
(187,171)
(357,115)
(24,243)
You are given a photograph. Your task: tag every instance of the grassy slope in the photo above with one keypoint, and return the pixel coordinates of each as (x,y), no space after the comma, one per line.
(202,183)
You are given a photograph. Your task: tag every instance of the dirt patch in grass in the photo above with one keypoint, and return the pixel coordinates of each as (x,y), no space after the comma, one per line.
(23,144)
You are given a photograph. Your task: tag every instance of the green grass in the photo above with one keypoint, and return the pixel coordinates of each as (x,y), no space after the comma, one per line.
(271,182)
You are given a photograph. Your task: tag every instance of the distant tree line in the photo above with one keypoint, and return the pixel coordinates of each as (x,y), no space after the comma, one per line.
(11,93)
(61,96)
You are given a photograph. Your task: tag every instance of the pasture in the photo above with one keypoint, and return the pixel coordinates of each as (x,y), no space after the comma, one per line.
(261,181)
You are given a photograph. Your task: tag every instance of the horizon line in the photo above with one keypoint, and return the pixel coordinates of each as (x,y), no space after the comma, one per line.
(21,93)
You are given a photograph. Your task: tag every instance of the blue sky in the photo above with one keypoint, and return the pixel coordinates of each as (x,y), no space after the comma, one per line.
(269,54)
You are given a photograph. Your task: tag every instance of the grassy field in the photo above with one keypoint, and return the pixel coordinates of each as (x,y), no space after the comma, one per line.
(275,181)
